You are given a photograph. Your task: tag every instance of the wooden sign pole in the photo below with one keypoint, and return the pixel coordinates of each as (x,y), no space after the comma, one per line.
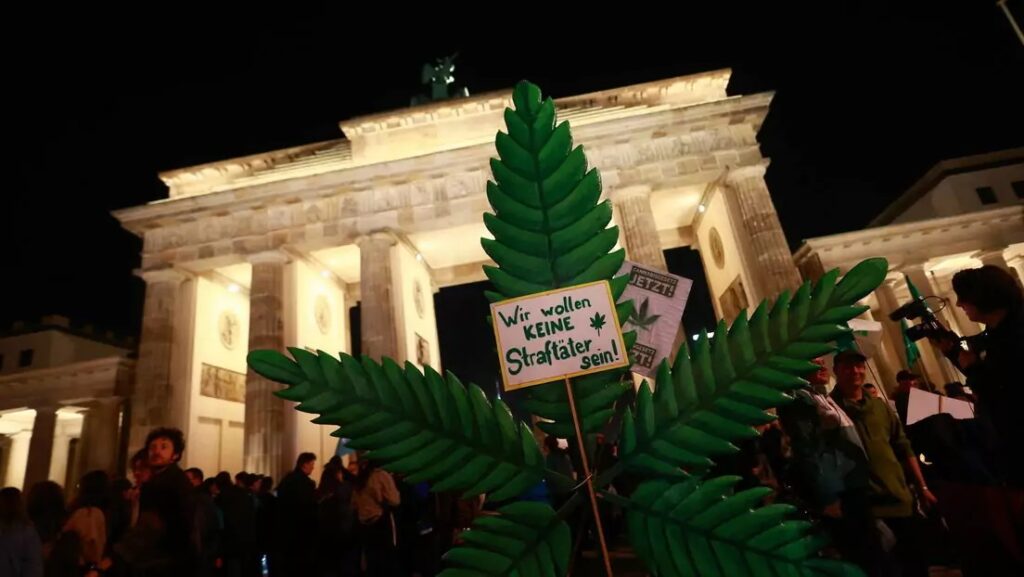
(588,479)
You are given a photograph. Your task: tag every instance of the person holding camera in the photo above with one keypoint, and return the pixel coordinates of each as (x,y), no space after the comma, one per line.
(992,361)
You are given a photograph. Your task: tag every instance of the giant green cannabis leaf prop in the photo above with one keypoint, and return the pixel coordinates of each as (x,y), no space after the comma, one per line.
(550,231)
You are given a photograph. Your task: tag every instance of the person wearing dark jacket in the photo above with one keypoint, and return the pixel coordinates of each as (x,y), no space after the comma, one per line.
(238,537)
(297,519)
(20,551)
(161,542)
(991,296)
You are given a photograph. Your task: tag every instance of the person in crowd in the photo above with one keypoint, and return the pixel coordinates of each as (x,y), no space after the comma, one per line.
(195,476)
(374,497)
(238,537)
(160,543)
(119,514)
(21,553)
(955,390)
(337,552)
(872,390)
(48,512)
(905,382)
(206,526)
(266,518)
(88,521)
(141,473)
(888,453)
(297,518)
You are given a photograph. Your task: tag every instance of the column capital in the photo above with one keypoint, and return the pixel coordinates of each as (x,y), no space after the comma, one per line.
(893,277)
(912,268)
(744,172)
(619,194)
(102,402)
(268,257)
(989,255)
(47,408)
(382,236)
(160,275)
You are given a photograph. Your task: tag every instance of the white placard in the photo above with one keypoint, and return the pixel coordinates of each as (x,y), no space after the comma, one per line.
(659,299)
(560,333)
(922,404)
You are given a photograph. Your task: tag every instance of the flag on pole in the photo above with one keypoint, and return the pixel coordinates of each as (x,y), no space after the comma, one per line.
(913,353)
(914,293)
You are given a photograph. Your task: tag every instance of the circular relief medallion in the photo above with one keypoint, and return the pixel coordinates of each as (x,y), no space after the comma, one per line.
(322,313)
(717,250)
(227,326)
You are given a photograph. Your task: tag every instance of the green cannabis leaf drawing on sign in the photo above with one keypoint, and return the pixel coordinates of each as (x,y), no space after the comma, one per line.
(640,319)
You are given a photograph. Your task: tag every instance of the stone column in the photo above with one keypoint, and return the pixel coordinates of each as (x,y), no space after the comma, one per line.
(772,259)
(996,257)
(40,447)
(99,445)
(151,406)
(887,302)
(639,234)
(930,355)
(886,362)
(377,308)
(265,434)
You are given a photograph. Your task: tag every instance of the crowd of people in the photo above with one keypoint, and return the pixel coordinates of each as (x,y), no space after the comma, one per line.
(893,499)
(358,520)
(897,499)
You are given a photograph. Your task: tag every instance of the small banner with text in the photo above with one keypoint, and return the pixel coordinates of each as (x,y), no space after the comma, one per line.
(659,299)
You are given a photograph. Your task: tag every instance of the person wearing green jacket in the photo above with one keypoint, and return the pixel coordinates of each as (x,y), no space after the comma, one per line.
(889,455)
(828,470)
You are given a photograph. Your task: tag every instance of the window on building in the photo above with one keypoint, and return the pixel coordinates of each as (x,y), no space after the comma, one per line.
(1018,188)
(986,195)
(25,358)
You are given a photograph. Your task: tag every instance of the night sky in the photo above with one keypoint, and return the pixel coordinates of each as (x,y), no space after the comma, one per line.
(98,103)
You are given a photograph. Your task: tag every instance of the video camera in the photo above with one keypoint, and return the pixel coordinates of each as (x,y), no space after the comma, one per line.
(929,327)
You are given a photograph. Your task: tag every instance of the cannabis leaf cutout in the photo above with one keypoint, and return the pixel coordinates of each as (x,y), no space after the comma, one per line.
(551,232)
(640,319)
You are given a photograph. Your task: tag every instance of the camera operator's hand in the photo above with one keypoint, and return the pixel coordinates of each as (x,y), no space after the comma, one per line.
(946,343)
(967,358)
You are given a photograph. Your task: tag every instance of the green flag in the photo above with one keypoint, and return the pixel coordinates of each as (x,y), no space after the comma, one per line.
(913,353)
(914,293)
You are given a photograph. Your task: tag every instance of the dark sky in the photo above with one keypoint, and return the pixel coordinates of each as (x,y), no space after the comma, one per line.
(97,103)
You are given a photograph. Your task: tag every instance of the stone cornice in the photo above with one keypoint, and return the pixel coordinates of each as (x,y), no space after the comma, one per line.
(94,378)
(179,180)
(474,158)
(428,113)
(71,369)
(316,158)
(1006,223)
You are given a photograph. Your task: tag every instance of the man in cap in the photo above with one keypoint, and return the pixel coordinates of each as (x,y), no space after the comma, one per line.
(888,452)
